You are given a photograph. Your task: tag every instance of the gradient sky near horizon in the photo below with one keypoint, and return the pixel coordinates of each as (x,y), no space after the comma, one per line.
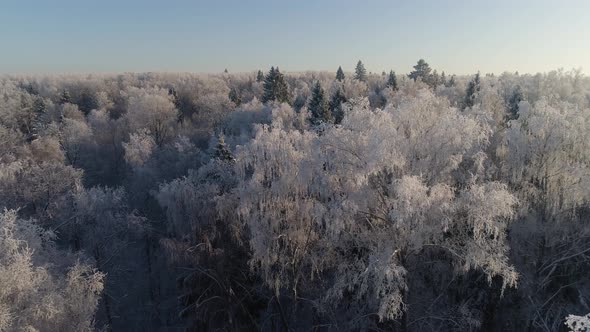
(461,37)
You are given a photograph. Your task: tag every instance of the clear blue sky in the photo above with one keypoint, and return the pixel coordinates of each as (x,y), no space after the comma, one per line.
(54,36)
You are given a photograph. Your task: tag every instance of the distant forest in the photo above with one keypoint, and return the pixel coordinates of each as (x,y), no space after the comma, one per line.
(312,201)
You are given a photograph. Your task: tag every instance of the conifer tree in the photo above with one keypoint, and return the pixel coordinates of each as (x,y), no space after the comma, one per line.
(318,106)
(235,97)
(222,151)
(335,106)
(392,81)
(472,91)
(65,97)
(443,79)
(340,74)
(259,76)
(451,81)
(360,72)
(422,71)
(275,87)
(434,79)
(513,102)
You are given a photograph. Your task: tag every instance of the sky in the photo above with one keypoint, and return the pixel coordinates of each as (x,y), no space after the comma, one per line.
(460,37)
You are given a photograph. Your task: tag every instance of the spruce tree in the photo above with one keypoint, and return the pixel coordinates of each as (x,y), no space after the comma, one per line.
(392,81)
(259,76)
(434,79)
(235,97)
(451,81)
(335,106)
(65,97)
(513,102)
(275,87)
(340,74)
(360,72)
(318,106)
(472,91)
(222,151)
(421,71)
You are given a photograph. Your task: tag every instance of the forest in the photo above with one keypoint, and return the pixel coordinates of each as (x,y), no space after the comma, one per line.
(295,201)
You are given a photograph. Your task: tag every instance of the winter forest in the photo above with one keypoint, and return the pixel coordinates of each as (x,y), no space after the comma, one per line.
(295,201)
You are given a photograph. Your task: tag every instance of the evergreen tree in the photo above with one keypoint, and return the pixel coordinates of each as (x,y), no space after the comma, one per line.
(360,72)
(434,79)
(259,76)
(473,89)
(335,106)
(222,151)
(443,79)
(318,106)
(235,97)
(392,81)
(513,102)
(275,87)
(421,71)
(65,97)
(225,71)
(88,101)
(451,81)
(340,74)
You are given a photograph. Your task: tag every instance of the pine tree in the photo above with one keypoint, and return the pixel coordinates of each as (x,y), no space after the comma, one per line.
(513,102)
(222,151)
(275,87)
(421,71)
(392,81)
(335,106)
(318,106)
(259,76)
(225,71)
(472,91)
(443,79)
(360,72)
(340,74)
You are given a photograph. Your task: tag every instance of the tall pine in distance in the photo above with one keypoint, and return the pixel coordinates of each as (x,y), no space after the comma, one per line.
(421,71)
(318,106)
(259,76)
(275,87)
(392,81)
(340,74)
(472,91)
(360,72)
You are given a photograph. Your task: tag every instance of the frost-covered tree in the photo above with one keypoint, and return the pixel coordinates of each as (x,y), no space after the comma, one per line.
(43,288)
(578,323)
(153,112)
